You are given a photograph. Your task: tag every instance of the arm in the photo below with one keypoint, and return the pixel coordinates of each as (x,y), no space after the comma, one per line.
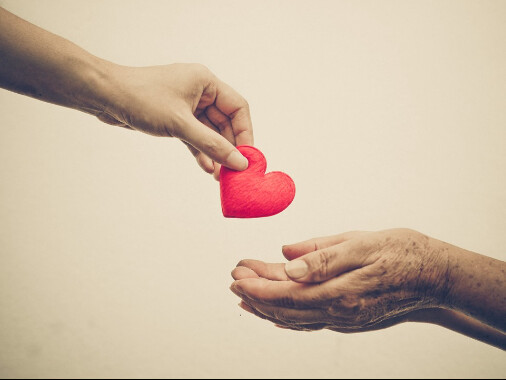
(42,65)
(181,100)
(476,287)
(363,281)
(460,323)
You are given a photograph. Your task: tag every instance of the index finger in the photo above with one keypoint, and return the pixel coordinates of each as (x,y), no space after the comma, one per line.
(294,251)
(236,108)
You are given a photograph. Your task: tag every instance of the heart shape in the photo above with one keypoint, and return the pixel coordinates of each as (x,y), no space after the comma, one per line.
(252,193)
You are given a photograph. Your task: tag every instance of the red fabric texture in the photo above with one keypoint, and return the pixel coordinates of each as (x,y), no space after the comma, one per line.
(252,193)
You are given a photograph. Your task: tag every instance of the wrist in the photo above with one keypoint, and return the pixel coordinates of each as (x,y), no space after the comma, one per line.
(92,92)
(434,277)
(443,282)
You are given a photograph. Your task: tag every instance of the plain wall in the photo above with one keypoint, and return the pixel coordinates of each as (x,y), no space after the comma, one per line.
(115,258)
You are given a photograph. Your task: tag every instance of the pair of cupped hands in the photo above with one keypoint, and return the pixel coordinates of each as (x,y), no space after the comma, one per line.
(349,282)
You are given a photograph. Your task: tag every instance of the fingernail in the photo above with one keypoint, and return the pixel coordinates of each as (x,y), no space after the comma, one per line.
(296,269)
(237,161)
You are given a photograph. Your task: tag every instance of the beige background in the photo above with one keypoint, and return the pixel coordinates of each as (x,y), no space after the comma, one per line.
(115,259)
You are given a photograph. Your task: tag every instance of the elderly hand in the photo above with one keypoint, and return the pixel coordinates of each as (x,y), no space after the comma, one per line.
(352,282)
(186,101)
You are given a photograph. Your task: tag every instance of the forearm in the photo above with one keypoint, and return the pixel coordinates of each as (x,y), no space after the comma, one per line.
(461,323)
(45,66)
(476,287)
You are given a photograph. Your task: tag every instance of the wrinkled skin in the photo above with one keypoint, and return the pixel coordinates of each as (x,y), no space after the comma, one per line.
(358,281)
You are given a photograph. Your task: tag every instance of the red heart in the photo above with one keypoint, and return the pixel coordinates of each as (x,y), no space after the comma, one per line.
(252,193)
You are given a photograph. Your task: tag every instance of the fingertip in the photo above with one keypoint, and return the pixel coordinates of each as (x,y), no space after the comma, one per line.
(290,252)
(234,274)
(246,307)
(234,288)
(242,263)
(241,273)
(247,285)
(217,169)
(250,263)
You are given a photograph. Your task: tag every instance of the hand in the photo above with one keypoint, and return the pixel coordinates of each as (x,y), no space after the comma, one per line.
(352,282)
(180,100)
(186,101)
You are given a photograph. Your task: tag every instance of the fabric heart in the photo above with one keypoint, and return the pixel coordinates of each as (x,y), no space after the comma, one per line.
(252,193)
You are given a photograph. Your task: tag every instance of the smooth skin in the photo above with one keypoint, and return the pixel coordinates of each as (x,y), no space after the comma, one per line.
(186,101)
(363,281)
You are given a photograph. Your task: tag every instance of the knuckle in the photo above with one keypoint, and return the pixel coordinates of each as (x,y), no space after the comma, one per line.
(317,246)
(404,232)
(242,111)
(201,70)
(222,124)
(198,66)
(219,120)
(323,264)
(349,312)
(212,147)
(245,108)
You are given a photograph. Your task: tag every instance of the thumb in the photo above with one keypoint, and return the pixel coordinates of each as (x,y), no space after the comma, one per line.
(327,263)
(214,145)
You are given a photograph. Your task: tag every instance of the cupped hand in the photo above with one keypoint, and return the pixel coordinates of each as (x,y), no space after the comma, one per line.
(357,281)
(186,101)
